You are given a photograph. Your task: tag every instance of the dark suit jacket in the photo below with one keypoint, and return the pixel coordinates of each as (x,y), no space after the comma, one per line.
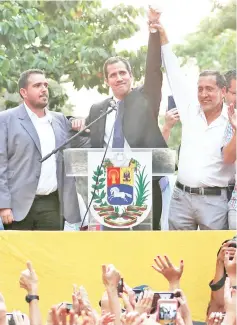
(139,109)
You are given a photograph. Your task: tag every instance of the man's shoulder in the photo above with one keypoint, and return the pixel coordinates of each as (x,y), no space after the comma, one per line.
(56,114)
(102,103)
(97,107)
(8,113)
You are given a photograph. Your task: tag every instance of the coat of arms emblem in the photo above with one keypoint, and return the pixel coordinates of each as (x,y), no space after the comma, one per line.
(121,190)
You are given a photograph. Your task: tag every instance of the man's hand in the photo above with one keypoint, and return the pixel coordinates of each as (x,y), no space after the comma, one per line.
(78,124)
(7,216)
(110,276)
(232,116)
(171,117)
(165,267)
(29,280)
(230,266)
(153,15)
(163,36)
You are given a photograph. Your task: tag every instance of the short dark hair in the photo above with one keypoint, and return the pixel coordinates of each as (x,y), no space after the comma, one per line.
(116,59)
(24,77)
(220,79)
(229,76)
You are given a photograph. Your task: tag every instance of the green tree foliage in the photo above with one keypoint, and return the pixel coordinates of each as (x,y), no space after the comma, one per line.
(214,43)
(63,38)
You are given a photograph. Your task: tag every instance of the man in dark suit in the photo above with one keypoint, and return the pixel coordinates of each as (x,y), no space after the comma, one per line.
(136,123)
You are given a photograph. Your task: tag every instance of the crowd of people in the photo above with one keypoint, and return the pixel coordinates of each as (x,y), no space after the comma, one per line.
(39,196)
(121,304)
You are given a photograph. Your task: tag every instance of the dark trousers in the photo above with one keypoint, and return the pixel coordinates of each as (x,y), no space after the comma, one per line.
(44,215)
(156,204)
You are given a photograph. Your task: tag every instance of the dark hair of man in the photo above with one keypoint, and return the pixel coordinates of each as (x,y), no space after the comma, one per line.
(220,80)
(23,80)
(229,76)
(116,59)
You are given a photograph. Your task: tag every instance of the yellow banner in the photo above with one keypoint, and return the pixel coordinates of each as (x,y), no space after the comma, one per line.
(62,259)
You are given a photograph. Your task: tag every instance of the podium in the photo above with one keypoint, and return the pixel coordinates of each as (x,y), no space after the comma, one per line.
(115,190)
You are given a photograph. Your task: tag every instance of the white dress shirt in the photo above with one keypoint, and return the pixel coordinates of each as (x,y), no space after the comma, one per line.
(48,179)
(109,128)
(200,161)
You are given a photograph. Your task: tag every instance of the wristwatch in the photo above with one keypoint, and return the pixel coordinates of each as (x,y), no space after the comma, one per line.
(29,298)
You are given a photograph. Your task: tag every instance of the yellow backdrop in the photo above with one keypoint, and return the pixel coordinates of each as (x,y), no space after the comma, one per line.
(62,259)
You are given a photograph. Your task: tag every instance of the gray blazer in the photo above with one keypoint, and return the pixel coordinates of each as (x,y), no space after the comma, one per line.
(20,167)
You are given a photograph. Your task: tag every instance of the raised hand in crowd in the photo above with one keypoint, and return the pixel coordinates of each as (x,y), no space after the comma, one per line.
(215,318)
(80,300)
(144,302)
(217,284)
(172,273)
(29,282)
(230,267)
(230,299)
(130,294)
(106,319)
(133,318)
(60,316)
(183,311)
(111,278)
(171,118)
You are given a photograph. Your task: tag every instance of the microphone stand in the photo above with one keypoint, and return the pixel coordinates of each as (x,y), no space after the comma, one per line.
(112,108)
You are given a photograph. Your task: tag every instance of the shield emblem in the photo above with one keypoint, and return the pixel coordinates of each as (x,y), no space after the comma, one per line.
(120,183)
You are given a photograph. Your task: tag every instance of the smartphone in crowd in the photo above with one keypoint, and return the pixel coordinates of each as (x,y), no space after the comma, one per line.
(10,319)
(167,311)
(160,295)
(233,244)
(68,306)
(120,286)
(171,103)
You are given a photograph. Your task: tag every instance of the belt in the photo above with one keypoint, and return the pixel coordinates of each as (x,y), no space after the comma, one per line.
(200,190)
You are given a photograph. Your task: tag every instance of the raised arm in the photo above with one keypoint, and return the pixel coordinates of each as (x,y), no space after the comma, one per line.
(153,74)
(183,93)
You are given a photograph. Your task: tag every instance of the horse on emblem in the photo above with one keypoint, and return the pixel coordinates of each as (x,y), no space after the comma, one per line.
(115,192)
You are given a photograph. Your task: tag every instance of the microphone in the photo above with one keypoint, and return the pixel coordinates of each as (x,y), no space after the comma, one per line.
(112,107)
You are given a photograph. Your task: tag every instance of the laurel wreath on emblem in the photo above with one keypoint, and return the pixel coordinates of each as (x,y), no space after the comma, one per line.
(111,213)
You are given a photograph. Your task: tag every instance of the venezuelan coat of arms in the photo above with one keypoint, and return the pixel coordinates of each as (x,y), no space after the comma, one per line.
(121,188)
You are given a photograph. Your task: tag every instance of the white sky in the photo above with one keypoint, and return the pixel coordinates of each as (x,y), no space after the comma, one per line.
(179,17)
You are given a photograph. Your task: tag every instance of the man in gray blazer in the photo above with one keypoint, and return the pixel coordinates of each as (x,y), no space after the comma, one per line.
(34,195)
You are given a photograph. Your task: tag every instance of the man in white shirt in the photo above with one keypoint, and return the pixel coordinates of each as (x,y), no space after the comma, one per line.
(34,195)
(200,194)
